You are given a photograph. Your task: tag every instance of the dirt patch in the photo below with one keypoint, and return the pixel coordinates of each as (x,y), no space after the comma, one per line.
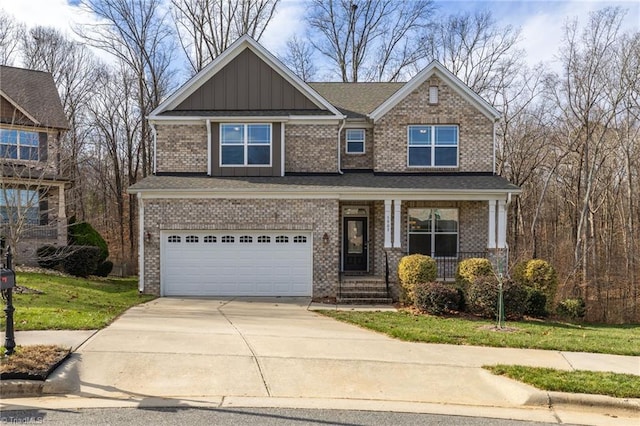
(499,329)
(32,362)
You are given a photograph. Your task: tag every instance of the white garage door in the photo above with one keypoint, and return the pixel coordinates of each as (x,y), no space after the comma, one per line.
(236,263)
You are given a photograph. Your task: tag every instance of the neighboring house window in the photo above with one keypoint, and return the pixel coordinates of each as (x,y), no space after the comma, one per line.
(19,145)
(433,146)
(20,205)
(433,232)
(355,141)
(245,144)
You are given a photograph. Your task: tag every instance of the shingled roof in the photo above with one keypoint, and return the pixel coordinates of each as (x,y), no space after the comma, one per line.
(35,93)
(356,100)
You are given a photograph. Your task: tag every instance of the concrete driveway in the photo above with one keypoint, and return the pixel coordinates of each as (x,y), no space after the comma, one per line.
(277,348)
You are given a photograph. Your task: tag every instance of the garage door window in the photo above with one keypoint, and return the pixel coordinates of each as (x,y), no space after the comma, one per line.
(227,239)
(282,239)
(246,239)
(191,239)
(209,239)
(300,239)
(174,239)
(264,239)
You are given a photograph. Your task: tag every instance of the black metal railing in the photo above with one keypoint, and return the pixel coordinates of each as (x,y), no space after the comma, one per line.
(34,231)
(447,265)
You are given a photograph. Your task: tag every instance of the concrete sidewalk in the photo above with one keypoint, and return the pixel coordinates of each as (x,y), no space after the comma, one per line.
(270,350)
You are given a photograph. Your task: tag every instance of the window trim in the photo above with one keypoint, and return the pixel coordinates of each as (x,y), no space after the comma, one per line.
(433,146)
(245,144)
(433,232)
(18,145)
(363,140)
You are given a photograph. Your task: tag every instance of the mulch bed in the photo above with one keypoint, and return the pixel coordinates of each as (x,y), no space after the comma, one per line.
(32,362)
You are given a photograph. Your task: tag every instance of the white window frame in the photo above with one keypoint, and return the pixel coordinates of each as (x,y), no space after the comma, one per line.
(433,146)
(347,139)
(246,144)
(433,232)
(19,145)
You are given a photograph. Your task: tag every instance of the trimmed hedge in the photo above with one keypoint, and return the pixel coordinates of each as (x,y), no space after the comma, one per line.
(49,256)
(540,275)
(436,298)
(104,268)
(83,234)
(482,298)
(81,261)
(415,269)
(574,309)
(470,269)
(536,303)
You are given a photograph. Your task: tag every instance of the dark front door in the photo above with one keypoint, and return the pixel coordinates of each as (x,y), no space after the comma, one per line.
(354,247)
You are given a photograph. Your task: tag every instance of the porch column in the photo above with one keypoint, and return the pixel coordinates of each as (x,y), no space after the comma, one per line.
(62,216)
(502,224)
(491,242)
(397,242)
(387,223)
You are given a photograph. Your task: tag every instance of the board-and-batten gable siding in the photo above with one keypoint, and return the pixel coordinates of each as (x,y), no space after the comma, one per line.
(247,84)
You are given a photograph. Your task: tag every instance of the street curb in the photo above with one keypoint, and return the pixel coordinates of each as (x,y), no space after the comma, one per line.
(63,380)
(596,401)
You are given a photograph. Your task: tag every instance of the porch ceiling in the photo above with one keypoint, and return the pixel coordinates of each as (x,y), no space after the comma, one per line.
(350,186)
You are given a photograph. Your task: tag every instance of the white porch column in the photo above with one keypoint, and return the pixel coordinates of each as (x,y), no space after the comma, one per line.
(502,224)
(491,242)
(387,223)
(62,211)
(397,241)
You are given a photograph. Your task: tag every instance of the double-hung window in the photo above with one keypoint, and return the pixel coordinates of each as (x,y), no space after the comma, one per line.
(355,141)
(245,144)
(433,232)
(19,144)
(20,205)
(433,146)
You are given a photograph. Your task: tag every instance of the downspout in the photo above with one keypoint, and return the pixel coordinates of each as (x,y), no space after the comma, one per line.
(208,123)
(344,123)
(155,143)
(141,242)
(494,148)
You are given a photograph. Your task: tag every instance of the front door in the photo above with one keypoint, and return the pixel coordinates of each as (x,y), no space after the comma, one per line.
(354,246)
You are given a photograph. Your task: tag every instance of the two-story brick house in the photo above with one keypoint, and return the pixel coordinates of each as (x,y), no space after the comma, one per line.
(267,185)
(32,188)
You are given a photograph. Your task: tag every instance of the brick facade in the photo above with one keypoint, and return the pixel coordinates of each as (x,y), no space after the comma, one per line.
(357,161)
(318,216)
(181,148)
(311,148)
(475,130)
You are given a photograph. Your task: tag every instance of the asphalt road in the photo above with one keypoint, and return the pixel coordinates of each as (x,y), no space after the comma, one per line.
(242,416)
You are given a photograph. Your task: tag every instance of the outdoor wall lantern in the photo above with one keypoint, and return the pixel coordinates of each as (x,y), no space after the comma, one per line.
(325,238)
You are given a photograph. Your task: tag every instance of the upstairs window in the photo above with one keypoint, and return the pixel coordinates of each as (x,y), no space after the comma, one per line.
(433,232)
(355,141)
(245,145)
(433,146)
(19,144)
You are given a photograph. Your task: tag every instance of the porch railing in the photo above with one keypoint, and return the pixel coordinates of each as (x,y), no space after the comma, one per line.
(447,265)
(34,232)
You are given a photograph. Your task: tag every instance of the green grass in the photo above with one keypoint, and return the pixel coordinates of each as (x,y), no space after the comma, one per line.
(70,303)
(608,339)
(592,382)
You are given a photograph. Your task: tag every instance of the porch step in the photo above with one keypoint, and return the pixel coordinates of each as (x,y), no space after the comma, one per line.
(363,290)
(364,301)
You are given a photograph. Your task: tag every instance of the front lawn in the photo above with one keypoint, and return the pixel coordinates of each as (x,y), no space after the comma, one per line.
(608,339)
(70,303)
(593,382)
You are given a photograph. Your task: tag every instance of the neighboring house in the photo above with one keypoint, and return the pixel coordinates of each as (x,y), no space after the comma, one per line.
(32,190)
(267,185)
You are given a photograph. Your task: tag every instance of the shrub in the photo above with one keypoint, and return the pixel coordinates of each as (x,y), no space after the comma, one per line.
(537,274)
(470,269)
(104,268)
(536,303)
(414,269)
(81,261)
(83,234)
(574,309)
(482,298)
(49,256)
(435,298)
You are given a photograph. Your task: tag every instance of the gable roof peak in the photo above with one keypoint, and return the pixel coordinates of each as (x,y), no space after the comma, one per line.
(436,68)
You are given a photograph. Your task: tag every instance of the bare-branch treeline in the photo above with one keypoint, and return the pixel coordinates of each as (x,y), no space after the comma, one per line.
(569,138)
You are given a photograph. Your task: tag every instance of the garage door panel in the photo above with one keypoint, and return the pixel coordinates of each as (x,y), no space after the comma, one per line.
(273,263)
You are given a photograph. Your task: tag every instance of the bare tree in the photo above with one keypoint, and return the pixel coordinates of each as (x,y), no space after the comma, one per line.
(299,58)
(208,27)
(10,34)
(370,40)
(473,47)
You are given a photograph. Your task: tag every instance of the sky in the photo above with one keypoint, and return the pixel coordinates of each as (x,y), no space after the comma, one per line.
(540,21)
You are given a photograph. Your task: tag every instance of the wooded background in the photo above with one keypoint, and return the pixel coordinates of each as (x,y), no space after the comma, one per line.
(569,135)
